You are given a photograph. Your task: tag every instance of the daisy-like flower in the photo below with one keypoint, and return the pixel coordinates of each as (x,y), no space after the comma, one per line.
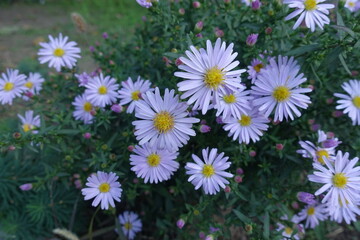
(83,109)
(255,68)
(350,102)
(233,104)
(351,5)
(277,87)
(102,91)
(248,127)
(288,232)
(11,86)
(131,92)
(152,164)
(314,12)
(146,3)
(317,152)
(247,2)
(341,180)
(104,187)
(164,121)
(313,214)
(130,224)
(83,79)
(344,213)
(207,73)
(30,122)
(33,85)
(210,172)
(59,52)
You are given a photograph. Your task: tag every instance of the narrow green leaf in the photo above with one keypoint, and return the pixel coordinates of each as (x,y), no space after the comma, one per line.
(344,29)
(241,216)
(266,233)
(342,60)
(303,49)
(340,22)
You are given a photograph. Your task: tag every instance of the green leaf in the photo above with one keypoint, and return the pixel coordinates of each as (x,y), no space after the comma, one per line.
(342,60)
(266,232)
(340,22)
(303,49)
(242,217)
(344,29)
(68,131)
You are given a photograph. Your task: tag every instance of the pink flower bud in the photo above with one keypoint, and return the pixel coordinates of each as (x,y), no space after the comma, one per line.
(201,235)
(238,179)
(180,223)
(181,11)
(219,33)
(268,30)
(130,148)
(199,26)
(255,5)
(239,171)
(116,108)
(203,121)
(252,153)
(219,120)
(29,94)
(178,62)
(311,121)
(337,114)
(135,180)
(209,237)
(330,134)
(295,205)
(105,35)
(76,175)
(11,148)
(26,187)
(329,100)
(92,49)
(227,189)
(87,135)
(78,184)
(252,39)
(315,127)
(205,128)
(199,35)
(196,4)
(306,198)
(279,146)
(93,112)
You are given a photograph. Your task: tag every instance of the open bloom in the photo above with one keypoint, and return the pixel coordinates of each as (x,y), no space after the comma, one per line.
(83,79)
(314,12)
(350,102)
(164,122)
(207,73)
(146,3)
(131,92)
(152,164)
(345,213)
(342,181)
(11,86)
(104,187)
(102,91)
(130,224)
(210,172)
(255,68)
(351,5)
(248,126)
(30,122)
(288,232)
(33,84)
(317,152)
(59,52)
(233,104)
(83,109)
(313,214)
(277,88)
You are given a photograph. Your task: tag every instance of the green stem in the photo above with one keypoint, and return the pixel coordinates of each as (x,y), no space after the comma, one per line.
(92,222)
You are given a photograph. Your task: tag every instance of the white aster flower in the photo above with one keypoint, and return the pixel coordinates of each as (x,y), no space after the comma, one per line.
(83,79)
(248,127)
(59,52)
(345,213)
(33,85)
(289,232)
(314,12)
(83,109)
(317,152)
(255,68)
(164,121)
(30,122)
(131,92)
(102,91)
(130,224)
(152,164)
(207,73)
(351,5)
(351,102)
(233,104)
(11,86)
(342,181)
(104,187)
(277,87)
(313,214)
(209,173)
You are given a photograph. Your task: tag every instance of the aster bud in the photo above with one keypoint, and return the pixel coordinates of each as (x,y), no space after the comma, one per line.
(17,135)
(330,134)
(130,148)
(227,1)
(255,5)
(196,4)
(178,62)
(180,223)
(26,187)
(78,184)
(93,112)
(248,228)
(329,101)
(238,179)
(202,235)
(268,30)
(330,143)
(105,35)
(227,189)
(199,26)
(337,114)
(87,135)
(181,11)
(11,148)
(295,205)
(279,146)
(239,171)
(199,35)
(315,127)
(252,153)
(204,128)
(116,108)
(209,237)
(92,49)
(219,33)
(252,39)
(219,120)
(306,197)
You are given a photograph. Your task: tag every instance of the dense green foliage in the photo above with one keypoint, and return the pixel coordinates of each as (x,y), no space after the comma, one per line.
(271,179)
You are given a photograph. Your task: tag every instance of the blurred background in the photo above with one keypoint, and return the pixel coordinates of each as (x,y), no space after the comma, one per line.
(25,23)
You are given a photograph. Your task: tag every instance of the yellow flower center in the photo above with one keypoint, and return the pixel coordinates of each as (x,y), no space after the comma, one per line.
(128,226)
(29,85)
(104,187)
(153,160)
(27,127)
(258,67)
(351,4)
(229,98)
(245,120)
(102,90)
(59,52)
(310,5)
(339,180)
(8,86)
(163,122)
(288,231)
(320,154)
(281,93)
(214,77)
(356,101)
(135,95)
(87,106)
(311,211)
(208,170)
